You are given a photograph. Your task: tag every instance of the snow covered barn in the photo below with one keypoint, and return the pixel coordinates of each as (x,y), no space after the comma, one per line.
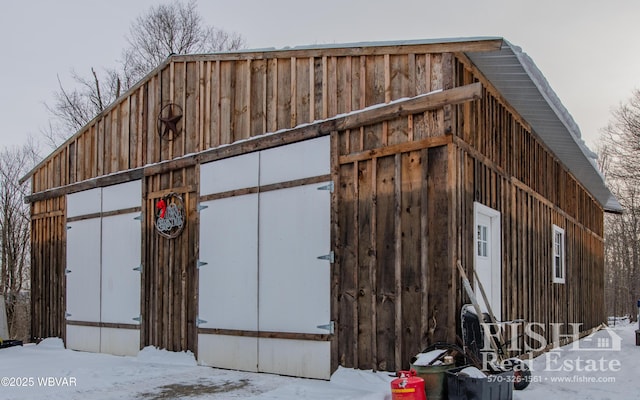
(293,210)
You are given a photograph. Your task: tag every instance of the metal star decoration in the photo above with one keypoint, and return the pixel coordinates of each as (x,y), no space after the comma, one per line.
(168,119)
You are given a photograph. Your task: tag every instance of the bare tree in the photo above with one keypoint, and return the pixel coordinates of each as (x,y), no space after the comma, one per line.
(14,225)
(172,28)
(622,253)
(73,109)
(620,157)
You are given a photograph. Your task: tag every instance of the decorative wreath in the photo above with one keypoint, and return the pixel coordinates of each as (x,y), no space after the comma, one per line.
(170,217)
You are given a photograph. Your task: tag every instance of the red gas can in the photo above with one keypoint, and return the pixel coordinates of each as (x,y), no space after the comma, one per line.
(408,386)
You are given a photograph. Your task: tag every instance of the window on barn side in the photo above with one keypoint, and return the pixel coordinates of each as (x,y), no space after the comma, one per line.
(483,240)
(558,255)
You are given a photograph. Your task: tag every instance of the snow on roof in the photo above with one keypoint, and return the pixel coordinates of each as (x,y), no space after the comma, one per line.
(524,86)
(364,44)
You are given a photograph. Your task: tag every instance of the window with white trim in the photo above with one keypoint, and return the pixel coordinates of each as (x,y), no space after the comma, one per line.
(558,255)
(482,240)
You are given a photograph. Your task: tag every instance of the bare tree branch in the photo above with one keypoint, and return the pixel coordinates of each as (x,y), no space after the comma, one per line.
(14,225)
(99,102)
(619,152)
(172,28)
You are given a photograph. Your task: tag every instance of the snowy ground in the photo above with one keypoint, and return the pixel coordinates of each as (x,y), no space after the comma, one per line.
(584,371)
(48,371)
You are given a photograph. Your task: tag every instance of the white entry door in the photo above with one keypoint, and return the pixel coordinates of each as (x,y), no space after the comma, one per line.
(487,257)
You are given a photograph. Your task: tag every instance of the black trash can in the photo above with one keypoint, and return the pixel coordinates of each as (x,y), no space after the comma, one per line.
(464,387)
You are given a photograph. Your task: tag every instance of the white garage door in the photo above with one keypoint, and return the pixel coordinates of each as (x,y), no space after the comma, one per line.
(294,291)
(294,283)
(103,278)
(83,284)
(263,287)
(228,283)
(120,281)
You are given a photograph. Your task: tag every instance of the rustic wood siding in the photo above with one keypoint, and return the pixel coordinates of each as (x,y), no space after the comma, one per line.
(502,164)
(527,245)
(394,285)
(226,100)
(48,262)
(229,98)
(170,275)
(497,132)
(402,212)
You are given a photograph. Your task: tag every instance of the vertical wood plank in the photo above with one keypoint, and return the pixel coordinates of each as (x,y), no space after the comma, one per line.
(272,95)
(313,106)
(385,251)
(294,92)
(397,216)
(257,98)
(125,135)
(326,74)
(348,264)
(204,104)
(365,192)
(191,120)
(425,278)
(439,268)
(452,255)
(164,97)
(227,100)
(172,92)
(375,82)
(215,137)
(259,86)
(336,244)
(285,88)
(362,74)
(241,112)
(182,95)
(387,78)
(135,139)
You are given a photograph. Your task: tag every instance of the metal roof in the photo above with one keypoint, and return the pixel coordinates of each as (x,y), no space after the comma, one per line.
(522,84)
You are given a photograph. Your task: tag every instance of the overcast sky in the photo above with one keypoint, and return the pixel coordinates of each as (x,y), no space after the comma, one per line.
(588,50)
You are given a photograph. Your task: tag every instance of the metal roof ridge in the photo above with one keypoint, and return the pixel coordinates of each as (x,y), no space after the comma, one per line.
(540,81)
(365,43)
(564,117)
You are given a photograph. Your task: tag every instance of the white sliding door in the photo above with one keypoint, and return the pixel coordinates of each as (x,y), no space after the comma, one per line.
(103,269)
(263,291)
